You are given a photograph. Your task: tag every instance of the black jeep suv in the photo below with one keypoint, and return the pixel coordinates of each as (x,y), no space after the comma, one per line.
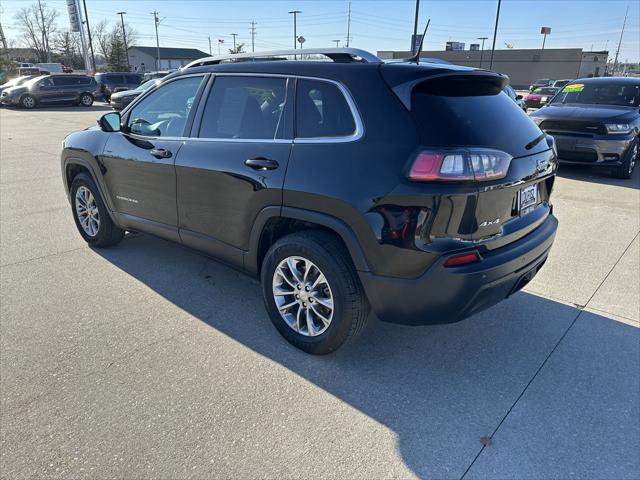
(419,190)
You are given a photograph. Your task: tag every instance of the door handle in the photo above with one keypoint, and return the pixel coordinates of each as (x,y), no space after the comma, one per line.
(160,153)
(261,163)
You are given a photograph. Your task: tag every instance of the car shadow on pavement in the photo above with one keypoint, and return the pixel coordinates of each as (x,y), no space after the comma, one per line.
(441,388)
(65,108)
(585,173)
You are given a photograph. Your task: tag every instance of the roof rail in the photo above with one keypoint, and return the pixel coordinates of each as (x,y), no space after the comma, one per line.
(338,55)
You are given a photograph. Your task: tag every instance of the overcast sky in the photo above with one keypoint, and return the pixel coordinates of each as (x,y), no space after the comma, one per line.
(375,25)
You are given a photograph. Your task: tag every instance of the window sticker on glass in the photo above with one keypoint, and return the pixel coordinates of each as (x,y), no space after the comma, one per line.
(576,87)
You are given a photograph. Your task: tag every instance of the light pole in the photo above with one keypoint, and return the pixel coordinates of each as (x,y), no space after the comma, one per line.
(234,35)
(124,37)
(495,32)
(482,48)
(295,27)
(337,43)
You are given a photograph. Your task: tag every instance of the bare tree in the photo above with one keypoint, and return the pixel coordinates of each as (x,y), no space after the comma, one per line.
(67,48)
(38,24)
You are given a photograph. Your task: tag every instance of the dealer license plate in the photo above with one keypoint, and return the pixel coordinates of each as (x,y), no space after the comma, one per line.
(528,199)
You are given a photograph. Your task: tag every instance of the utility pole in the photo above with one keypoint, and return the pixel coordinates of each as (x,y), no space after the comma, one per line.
(86,21)
(124,37)
(495,32)
(337,43)
(210,45)
(615,62)
(45,39)
(295,27)
(349,26)
(482,48)
(415,27)
(156,21)
(2,38)
(253,35)
(234,35)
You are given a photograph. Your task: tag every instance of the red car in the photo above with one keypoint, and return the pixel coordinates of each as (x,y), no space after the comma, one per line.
(540,96)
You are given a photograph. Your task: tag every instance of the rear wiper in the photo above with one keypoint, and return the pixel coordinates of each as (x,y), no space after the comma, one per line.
(535,141)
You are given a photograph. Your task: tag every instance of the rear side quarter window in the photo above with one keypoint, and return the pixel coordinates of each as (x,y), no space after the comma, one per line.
(322,111)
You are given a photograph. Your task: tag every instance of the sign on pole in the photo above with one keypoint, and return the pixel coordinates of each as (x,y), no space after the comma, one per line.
(74,15)
(545,30)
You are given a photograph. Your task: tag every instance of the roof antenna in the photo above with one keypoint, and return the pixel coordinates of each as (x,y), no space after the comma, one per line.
(416,56)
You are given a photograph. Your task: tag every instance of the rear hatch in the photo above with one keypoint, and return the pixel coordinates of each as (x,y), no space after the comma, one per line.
(464,115)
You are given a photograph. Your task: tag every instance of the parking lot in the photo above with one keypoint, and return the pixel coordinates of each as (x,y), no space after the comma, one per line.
(149,359)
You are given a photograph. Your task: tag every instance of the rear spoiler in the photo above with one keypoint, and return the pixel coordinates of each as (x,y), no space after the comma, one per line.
(403,89)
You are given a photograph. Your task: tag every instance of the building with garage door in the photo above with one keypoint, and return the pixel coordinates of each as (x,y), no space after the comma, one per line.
(144,59)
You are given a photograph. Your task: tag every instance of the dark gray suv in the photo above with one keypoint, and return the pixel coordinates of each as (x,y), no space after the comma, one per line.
(52,90)
(596,121)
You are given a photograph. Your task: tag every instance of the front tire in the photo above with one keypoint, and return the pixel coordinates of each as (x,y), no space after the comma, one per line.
(28,101)
(632,158)
(86,99)
(312,292)
(90,214)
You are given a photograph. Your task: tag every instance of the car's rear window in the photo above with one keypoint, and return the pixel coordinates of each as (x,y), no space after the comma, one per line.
(471,112)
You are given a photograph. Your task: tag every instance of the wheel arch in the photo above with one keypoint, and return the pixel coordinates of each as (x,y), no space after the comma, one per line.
(274,222)
(73,166)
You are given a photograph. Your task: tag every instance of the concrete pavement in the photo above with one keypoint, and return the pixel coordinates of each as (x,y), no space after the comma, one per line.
(151,360)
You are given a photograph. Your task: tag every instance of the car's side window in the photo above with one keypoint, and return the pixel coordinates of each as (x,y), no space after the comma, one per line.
(164,112)
(46,82)
(322,111)
(244,107)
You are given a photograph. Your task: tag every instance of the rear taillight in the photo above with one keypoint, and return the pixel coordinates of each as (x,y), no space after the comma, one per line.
(460,164)
(462,259)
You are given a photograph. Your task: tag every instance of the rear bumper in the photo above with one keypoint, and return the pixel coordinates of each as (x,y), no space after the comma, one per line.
(599,150)
(447,295)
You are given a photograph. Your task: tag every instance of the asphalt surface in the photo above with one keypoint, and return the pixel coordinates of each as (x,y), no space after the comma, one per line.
(151,360)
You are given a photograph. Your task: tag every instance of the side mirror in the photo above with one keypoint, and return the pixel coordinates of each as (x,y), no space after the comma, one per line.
(110,122)
(518,97)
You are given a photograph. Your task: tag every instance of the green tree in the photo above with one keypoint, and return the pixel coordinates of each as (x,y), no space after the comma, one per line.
(117,58)
(239,48)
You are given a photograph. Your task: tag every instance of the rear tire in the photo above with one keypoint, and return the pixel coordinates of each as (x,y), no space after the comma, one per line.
(86,100)
(324,313)
(632,158)
(90,214)
(28,101)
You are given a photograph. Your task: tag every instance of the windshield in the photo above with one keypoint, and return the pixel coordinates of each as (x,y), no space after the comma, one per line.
(147,85)
(620,94)
(545,91)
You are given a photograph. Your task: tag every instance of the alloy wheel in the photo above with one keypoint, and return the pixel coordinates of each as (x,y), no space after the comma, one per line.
(86,100)
(303,296)
(28,102)
(87,211)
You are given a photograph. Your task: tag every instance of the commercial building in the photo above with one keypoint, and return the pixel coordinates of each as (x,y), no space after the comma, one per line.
(143,59)
(523,66)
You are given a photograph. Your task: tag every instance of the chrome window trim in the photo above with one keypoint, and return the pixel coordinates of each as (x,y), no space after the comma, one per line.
(355,136)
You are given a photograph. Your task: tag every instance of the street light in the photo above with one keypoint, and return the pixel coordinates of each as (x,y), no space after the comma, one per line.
(295,26)
(482,48)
